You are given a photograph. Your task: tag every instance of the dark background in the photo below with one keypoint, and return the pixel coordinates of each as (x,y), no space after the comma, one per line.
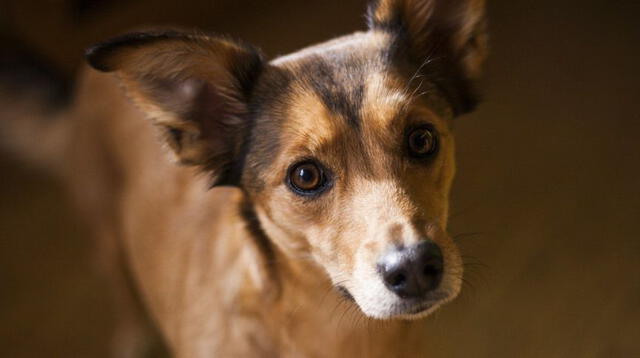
(545,206)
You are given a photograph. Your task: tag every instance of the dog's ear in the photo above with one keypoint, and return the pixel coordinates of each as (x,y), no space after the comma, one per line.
(447,37)
(195,87)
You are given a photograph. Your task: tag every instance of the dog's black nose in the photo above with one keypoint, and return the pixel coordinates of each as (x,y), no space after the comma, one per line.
(411,272)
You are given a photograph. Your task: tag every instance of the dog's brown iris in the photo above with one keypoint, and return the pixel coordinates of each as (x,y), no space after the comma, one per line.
(306,177)
(422,142)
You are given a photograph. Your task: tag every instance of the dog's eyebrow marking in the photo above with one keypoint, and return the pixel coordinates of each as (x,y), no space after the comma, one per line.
(384,99)
(340,89)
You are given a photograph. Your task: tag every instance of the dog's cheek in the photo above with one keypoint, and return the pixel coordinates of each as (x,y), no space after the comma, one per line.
(295,223)
(278,220)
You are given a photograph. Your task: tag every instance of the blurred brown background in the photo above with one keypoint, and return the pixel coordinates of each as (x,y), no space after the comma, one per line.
(546,202)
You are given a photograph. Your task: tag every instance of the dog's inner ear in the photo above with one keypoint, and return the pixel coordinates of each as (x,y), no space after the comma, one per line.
(196,88)
(444,38)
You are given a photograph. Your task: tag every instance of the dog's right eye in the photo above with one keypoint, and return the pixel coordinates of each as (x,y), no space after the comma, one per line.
(306,178)
(422,142)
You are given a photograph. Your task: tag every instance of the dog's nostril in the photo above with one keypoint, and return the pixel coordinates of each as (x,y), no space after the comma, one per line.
(398,280)
(430,270)
(411,272)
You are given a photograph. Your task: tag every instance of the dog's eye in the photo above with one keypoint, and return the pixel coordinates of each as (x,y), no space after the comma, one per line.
(422,142)
(306,177)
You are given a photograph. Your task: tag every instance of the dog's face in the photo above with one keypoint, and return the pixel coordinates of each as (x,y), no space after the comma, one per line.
(344,149)
(352,164)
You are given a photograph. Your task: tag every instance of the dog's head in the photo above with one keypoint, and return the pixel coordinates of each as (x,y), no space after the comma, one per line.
(344,149)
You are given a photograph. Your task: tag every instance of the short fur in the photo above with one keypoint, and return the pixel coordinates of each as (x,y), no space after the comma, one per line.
(255,269)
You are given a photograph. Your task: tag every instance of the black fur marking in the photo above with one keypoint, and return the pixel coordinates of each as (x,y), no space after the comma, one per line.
(176,136)
(342,93)
(248,70)
(247,73)
(262,141)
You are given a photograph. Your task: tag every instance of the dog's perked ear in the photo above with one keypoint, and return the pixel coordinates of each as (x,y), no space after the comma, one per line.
(195,87)
(446,38)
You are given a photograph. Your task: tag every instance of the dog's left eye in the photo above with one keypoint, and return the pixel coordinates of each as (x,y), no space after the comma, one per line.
(422,142)
(306,178)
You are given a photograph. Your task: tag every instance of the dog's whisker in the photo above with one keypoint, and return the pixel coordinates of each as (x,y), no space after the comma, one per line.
(417,73)
(472,261)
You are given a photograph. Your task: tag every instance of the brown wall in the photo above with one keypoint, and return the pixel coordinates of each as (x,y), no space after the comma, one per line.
(546,202)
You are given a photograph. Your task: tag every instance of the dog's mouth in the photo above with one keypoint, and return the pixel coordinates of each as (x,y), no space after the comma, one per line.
(420,309)
(411,309)
(415,309)
(345,293)
(405,309)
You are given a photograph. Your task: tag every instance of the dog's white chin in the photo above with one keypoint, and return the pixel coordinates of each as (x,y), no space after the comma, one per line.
(400,310)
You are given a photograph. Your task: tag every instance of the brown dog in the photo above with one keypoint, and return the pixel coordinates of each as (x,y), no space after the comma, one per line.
(331,240)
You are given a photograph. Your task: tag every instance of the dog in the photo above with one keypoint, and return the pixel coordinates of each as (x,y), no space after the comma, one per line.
(303,209)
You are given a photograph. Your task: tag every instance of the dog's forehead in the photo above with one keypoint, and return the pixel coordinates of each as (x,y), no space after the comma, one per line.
(349,81)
